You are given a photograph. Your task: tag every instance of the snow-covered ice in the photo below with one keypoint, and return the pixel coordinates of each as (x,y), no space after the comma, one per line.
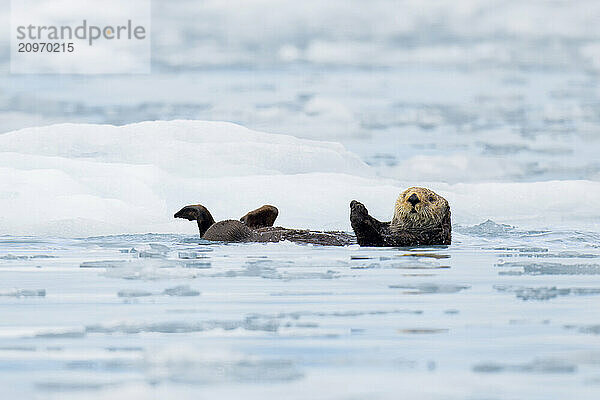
(85,180)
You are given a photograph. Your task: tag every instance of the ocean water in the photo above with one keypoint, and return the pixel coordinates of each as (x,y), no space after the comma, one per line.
(493,104)
(500,314)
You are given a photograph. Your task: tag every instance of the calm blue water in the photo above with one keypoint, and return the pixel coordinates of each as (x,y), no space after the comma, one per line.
(496,315)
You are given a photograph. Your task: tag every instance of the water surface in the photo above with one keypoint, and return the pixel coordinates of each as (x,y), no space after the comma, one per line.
(497,315)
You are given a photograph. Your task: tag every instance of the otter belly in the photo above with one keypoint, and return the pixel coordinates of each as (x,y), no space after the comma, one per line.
(277,234)
(236,231)
(229,231)
(417,237)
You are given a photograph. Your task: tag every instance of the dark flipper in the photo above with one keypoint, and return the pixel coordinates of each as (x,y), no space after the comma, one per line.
(368,230)
(197,213)
(261,217)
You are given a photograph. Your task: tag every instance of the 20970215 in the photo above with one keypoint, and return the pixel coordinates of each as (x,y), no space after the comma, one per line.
(46,47)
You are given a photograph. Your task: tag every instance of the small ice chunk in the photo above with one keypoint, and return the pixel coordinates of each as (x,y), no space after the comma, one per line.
(13,257)
(487,228)
(102,264)
(160,247)
(543,366)
(198,264)
(127,251)
(190,255)
(182,290)
(551,268)
(593,329)
(426,288)
(23,292)
(61,333)
(152,254)
(133,293)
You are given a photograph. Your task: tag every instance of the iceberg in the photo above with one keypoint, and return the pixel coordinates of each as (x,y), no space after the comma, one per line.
(74,180)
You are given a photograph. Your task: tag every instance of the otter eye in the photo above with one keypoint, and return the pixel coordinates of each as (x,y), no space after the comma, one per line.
(431,199)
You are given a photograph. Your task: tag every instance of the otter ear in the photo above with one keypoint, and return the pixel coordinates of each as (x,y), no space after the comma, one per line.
(261,217)
(191,213)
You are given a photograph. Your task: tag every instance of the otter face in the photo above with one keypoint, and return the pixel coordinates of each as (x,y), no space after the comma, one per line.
(417,208)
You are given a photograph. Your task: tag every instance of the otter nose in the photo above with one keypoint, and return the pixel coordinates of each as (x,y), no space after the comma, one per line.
(413,199)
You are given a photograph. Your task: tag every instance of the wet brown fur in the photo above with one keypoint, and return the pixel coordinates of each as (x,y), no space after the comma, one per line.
(257,226)
(421,217)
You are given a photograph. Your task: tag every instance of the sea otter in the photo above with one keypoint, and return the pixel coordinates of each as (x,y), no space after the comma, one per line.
(421,217)
(257,226)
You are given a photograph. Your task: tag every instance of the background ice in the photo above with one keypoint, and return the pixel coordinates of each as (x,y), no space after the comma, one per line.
(83,180)
(483,90)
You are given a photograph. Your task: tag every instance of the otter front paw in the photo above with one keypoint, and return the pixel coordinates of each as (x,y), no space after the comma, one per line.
(358,209)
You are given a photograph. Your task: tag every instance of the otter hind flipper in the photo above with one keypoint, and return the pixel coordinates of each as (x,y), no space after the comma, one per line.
(264,216)
(229,231)
(197,213)
(368,230)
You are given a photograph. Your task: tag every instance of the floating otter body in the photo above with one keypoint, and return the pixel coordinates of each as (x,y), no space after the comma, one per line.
(257,226)
(421,217)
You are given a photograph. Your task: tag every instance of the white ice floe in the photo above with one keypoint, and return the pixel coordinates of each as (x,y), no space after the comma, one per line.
(81,180)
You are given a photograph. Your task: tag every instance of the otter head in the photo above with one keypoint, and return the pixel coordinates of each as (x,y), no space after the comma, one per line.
(420,208)
(197,213)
